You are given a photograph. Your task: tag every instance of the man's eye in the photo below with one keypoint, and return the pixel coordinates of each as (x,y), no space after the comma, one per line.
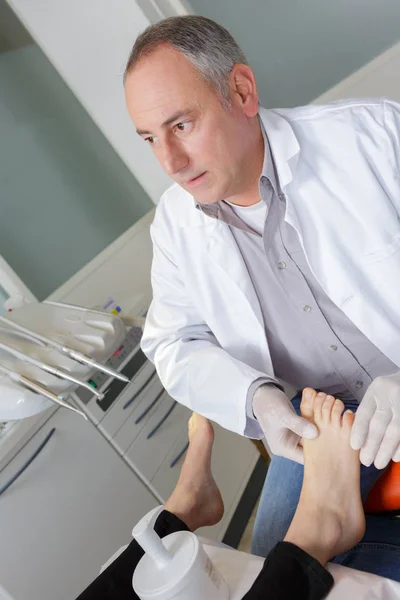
(149,140)
(182,126)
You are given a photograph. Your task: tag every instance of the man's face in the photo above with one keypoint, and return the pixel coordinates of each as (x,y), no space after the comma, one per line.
(202,145)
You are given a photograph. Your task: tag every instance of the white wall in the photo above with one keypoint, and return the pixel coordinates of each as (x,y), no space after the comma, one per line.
(88,41)
(380,77)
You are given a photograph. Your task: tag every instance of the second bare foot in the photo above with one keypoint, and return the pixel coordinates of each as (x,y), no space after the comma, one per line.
(196,499)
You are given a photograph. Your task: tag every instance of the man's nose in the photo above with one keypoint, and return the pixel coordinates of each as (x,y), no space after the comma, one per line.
(174,159)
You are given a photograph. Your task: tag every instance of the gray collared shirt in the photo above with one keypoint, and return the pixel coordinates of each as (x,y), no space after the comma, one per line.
(311,341)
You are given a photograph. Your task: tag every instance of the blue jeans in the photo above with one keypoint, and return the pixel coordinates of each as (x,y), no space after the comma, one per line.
(379,550)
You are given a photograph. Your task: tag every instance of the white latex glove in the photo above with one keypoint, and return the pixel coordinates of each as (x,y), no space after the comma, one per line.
(282,427)
(376,428)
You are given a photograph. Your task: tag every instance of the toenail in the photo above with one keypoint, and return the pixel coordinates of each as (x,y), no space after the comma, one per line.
(321,394)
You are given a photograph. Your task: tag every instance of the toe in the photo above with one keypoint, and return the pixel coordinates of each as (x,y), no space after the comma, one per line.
(307,403)
(318,402)
(348,419)
(337,411)
(326,408)
(191,426)
(195,422)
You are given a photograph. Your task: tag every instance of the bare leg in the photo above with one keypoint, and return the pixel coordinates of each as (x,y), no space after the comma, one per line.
(196,499)
(329,517)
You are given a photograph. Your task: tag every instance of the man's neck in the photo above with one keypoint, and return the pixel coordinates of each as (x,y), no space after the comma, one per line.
(249,197)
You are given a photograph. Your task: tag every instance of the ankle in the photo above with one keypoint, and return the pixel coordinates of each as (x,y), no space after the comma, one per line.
(316,546)
(312,547)
(183,505)
(317,532)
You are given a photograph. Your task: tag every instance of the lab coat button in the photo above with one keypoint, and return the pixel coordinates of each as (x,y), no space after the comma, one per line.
(306,308)
(333,348)
(359,384)
(282,265)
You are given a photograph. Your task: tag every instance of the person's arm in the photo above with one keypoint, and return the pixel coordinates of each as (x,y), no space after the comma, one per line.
(376,430)
(191,364)
(196,371)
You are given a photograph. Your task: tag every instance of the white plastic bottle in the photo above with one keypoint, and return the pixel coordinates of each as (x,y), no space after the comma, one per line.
(174,568)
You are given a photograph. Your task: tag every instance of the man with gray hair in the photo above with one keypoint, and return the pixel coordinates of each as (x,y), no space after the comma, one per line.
(276,254)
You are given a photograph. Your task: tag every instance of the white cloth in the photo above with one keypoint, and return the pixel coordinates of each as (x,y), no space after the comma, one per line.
(338,166)
(240,569)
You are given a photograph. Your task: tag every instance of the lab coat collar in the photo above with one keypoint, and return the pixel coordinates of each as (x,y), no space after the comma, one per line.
(284,146)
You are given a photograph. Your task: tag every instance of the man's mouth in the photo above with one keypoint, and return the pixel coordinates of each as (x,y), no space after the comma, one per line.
(196,180)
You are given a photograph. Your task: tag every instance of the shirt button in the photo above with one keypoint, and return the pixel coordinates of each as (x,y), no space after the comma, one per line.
(306,308)
(359,384)
(333,348)
(282,265)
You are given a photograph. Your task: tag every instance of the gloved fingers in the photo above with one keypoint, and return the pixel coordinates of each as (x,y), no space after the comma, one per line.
(396,454)
(389,444)
(296,454)
(300,426)
(377,429)
(360,428)
(289,444)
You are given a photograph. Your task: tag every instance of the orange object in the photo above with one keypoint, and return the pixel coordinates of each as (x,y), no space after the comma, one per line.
(385,495)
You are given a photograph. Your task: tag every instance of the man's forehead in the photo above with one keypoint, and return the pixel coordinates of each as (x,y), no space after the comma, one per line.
(165,87)
(161,62)
(151,108)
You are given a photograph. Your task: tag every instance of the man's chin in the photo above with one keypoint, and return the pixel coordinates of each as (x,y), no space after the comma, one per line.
(204,194)
(205,197)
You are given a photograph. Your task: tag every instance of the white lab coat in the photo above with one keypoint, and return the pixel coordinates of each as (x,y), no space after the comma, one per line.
(338,167)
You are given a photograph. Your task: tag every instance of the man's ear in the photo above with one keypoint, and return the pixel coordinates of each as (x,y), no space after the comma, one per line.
(243,88)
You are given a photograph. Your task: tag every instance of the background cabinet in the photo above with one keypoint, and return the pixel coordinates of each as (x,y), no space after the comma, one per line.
(71,509)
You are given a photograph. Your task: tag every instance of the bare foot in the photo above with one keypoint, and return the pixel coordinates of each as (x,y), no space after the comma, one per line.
(330,517)
(196,499)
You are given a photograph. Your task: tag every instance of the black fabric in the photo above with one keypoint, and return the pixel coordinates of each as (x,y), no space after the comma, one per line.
(288,573)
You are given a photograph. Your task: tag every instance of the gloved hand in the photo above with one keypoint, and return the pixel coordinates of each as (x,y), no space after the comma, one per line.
(282,427)
(376,428)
